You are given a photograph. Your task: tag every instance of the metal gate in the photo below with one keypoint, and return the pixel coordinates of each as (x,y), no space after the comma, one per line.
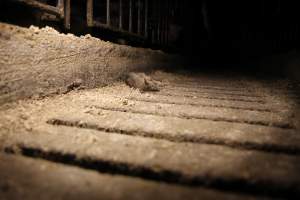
(143,19)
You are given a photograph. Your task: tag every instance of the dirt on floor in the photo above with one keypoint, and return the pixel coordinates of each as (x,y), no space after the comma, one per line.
(39,62)
(71,128)
(198,136)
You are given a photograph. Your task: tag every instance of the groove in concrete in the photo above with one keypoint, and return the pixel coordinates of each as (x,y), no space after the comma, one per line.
(213,97)
(272,148)
(238,185)
(240,94)
(20,169)
(253,121)
(200,86)
(161,101)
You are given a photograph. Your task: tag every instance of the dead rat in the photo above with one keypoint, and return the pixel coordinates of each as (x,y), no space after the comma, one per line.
(142,82)
(75,85)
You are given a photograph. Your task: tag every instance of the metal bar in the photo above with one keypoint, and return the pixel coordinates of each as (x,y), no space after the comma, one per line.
(279,6)
(105,26)
(130,15)
(166,20)
(89,12)
(108,12)
(163,28)
(60,5)
(44,7)
(152,35)
(159,24)
(164,23)
(146,18)
(153,12)
(67,14)
(139,17)
(163,34)
(120,14)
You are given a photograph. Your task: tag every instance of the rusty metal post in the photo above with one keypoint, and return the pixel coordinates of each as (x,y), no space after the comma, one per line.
(146,18)
(108,12)
(60,5)
(130,15)
(89,12)
(120,14)
(67,14)
(44,7)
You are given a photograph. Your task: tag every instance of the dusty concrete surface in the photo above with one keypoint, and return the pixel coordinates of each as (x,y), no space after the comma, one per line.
(39,62)
(201,136)
(74,183)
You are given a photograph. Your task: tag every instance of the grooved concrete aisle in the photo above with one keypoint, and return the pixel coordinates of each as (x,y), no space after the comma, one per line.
(201,137)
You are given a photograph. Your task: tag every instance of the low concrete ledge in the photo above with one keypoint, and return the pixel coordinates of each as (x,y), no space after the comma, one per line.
(40,62)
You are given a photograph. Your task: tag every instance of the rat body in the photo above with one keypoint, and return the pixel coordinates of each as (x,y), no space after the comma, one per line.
(142,82)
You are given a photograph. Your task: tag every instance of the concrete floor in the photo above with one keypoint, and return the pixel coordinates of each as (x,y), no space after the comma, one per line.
(203,136)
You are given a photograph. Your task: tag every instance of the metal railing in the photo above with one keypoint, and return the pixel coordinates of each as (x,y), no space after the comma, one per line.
(91,22)
(62,9)
(142,19)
